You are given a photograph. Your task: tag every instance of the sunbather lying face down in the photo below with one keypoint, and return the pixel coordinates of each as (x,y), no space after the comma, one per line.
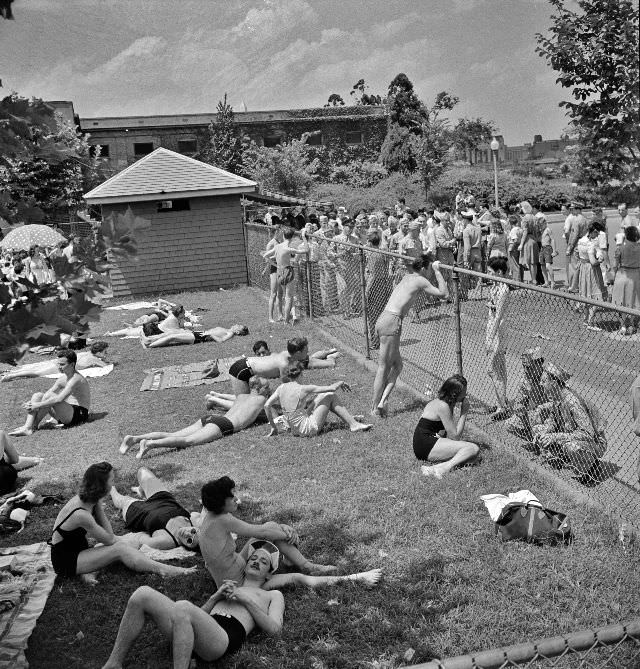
(244,411)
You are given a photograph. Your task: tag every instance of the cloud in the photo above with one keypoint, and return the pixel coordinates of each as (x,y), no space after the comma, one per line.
(274,20)
(130,61)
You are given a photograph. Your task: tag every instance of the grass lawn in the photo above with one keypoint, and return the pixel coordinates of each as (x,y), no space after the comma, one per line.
(449,586)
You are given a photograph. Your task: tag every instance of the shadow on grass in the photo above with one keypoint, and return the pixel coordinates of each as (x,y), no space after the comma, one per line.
(97,415)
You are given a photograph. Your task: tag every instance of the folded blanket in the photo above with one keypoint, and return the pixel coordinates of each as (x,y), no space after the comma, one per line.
(132,306)
(183,376)
(88,373)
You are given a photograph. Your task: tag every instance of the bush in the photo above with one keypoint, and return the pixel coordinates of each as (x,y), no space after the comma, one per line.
(358,174)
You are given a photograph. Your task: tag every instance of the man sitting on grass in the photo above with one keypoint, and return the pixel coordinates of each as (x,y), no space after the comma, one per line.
(274,365)
(68,400)
(219,548)
(243,412)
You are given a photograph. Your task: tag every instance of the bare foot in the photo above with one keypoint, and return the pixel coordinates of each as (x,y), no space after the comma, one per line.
(432,472)
(90,578)
(111,665)
(169,571)
(21,432)
(127,443)
(320,569)
(371,577)
(143,449)
(361,427)
(136,490)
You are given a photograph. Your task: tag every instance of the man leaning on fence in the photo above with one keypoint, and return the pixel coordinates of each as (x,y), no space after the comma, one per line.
(566,429)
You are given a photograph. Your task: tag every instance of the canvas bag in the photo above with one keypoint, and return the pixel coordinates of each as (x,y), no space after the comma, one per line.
(533,524)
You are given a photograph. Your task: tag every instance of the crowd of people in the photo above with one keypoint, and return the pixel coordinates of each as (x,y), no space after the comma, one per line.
(329,248)
(37,263)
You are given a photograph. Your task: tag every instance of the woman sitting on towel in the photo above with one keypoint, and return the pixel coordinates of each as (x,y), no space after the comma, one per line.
(158,520)
(437,435)
(82,517)
(244,411)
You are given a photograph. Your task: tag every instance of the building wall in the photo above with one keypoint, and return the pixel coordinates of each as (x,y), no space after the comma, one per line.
(184,250)
(347,125)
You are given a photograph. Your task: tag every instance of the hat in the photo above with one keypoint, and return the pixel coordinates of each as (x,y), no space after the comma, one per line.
(470,200)
(557,372)
(468,214)
(342,209)
(414,225)
(575,205)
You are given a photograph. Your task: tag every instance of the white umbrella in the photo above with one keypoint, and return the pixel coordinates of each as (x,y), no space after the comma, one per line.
(26,236)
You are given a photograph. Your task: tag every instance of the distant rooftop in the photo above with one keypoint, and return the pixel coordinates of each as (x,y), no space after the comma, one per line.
(165,174)
(167,120)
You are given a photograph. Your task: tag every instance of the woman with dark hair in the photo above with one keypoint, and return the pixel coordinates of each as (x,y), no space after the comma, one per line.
(626,285)
(437,435)
(529,253)
(590,279)
(83,516)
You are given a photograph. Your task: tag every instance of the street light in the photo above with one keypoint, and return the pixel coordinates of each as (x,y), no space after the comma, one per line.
(495,145)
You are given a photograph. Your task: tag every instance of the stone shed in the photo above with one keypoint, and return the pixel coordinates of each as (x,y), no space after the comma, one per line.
(196,239)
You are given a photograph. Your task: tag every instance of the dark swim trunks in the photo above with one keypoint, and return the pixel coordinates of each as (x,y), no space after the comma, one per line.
(80,415)
(149,515)
(234,629)
(225,425)
(241,370)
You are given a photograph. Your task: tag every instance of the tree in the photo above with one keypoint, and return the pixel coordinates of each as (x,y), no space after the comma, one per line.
(334,100)
(32,138)
(396,153)
(469,133)
(224,148)
(595,52)
(287,168)
(361,97)
(405,107)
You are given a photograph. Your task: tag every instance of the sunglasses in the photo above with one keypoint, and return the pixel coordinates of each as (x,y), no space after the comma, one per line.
(272,549)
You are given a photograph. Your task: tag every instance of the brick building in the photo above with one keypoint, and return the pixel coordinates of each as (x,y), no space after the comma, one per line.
(125,139)
(195,239)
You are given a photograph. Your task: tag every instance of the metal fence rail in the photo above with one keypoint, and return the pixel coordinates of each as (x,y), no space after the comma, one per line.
(615,646)
(344,288)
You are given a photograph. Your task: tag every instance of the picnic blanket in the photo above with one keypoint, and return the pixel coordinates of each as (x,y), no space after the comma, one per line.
(132,306)
(182,376)
(88,373)
(23,594)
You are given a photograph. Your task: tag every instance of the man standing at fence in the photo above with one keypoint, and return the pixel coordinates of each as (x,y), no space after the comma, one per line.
(389,326)
(348,269)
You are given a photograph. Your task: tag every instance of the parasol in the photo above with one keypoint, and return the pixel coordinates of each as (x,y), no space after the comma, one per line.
(26,236)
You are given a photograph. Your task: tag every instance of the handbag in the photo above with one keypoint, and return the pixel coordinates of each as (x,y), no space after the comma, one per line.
(533,524)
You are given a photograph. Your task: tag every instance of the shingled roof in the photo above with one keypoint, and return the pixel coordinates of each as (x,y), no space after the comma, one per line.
(165,174)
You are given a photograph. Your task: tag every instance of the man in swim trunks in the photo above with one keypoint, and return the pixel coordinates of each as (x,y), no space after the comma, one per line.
(389,326)
(246,408)
(218,628)
(68,400)
(157,520)
(274,365)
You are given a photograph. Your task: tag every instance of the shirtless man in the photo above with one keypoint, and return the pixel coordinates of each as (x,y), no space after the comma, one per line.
(243,412)
(184,336)
(68,400)
(285,273)
(273,366)
(389,326)
(85,359)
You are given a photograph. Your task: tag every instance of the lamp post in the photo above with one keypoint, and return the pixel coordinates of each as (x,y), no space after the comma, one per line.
(495,145)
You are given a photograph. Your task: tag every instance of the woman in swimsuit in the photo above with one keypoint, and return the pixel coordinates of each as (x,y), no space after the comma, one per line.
(437,436)
(304,415)
(83,516)
(275,289)
(158,520)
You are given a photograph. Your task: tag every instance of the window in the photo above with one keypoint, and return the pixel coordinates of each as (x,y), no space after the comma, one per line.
(142,148)
(315,139)
(272,140)
(104,150)
(174,205)
(354,137)
(187,145)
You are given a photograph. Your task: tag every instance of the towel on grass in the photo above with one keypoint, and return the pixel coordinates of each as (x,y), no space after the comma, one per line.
(27,591)
(183,376)
(132,306)
(179,553)
(88,373)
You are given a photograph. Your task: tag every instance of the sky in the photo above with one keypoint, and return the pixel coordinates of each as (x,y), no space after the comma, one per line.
(136,57)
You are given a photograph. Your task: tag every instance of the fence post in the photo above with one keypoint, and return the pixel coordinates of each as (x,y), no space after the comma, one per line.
(456,307)
(308,273)
(365,312)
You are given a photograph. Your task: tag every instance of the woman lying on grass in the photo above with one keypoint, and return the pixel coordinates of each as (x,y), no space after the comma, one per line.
(304,414)
(243,412)
(158,520)
(218,546)
(83,516)
(437,436)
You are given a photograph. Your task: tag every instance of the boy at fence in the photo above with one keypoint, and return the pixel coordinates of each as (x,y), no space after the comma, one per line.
(389,326)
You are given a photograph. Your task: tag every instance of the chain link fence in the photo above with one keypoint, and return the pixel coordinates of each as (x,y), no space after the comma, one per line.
(615,646)
(581,427)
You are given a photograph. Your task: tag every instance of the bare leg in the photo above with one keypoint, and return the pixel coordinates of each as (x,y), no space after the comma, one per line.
(119,500)
(169,339)
(26,462)
(298,560)
(394,373)
(369,578)
(449,453)
(218,402)
(133,439)
(205,435)
(329,402)
(33,419)
(388,346)
(288,300)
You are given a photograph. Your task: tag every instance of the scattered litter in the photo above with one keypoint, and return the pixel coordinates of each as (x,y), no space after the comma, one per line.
(333,602)
(539,335)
